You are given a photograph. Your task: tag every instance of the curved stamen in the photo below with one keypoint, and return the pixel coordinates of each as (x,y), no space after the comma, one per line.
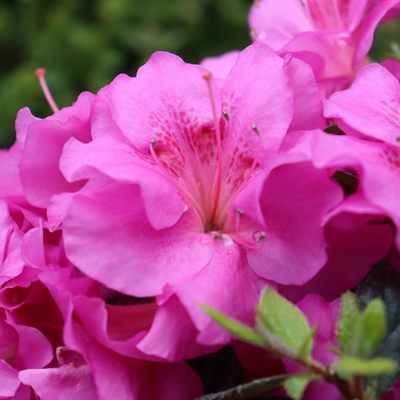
(239,213)
(153,145)
(337,14)
(207,77)
(316,14)
(255,161)
(40,73)
(251,170)
(228,136)
(243,242)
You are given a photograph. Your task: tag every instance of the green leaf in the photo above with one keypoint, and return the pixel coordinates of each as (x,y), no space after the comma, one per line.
(235,327)
(333,349)
(307,345)
(284,320)
(296,384)
(349,316)
(369,330)
(359,366)
(248,390)
(385,283)
(334,130)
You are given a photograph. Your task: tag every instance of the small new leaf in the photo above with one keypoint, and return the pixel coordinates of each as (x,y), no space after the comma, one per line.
(295,385)
(235,327)
(358,366)
(369,330)
(307,345)
(284,320)
(349,316)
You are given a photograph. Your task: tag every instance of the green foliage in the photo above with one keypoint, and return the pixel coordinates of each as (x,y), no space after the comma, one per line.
(359,366)
(284,321)
(385,283)
(259,387)
(85,44)
(283,329)
(236,328)
(349,316)
(296,384)
(369,330)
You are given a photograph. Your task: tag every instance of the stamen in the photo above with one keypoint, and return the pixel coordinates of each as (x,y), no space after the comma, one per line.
(239,213)
(207,76)
(153,145)
(337,14)
(316,14)
(254,164)
(243,242)
(228,136)
(40,73)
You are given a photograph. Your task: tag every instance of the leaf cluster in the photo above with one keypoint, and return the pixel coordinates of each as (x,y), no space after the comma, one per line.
(368,338)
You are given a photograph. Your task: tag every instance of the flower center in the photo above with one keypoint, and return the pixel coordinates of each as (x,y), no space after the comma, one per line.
(208,167)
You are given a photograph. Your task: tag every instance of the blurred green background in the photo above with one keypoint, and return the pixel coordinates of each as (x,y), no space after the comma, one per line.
(84,44)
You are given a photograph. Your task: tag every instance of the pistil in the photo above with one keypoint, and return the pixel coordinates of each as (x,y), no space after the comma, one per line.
(40,73)
(207,76)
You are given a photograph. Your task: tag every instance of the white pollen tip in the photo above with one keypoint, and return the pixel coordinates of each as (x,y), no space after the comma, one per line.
(153,143)
(256,129)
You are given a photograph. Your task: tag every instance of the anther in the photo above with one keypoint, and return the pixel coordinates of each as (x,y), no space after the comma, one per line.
(262,235)
(256,129)
(40,73)
(153,143)
(239,213)
(227,116)
(254,34)
(255,161)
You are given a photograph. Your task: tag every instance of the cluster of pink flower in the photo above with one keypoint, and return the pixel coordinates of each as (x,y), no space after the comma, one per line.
(124,212)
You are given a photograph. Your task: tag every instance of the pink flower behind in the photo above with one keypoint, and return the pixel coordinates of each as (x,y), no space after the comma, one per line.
(371,107)
(333,36)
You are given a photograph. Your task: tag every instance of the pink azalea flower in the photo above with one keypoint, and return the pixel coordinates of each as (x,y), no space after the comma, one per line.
(193,205)
(100,351)
(333,36)
(370,108)
(375,199)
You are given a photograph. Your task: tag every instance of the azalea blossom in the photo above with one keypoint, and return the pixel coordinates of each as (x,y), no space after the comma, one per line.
(333,36)
(185,192)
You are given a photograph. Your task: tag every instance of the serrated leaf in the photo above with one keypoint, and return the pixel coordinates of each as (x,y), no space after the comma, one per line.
(359,366)
(295,385)
(349,316)
(369,330)
(248,390)
(235,327)
(385,283)
(307,345)
(283,319)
